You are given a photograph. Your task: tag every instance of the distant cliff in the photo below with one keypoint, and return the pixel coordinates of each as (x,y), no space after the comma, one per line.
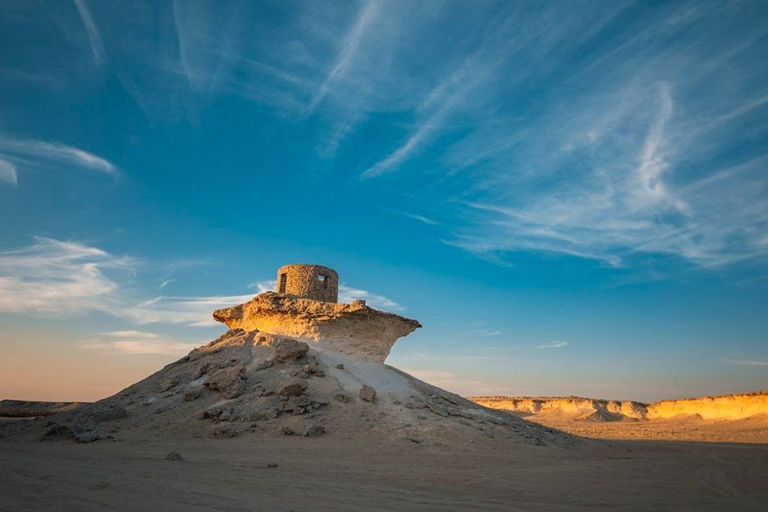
(582,408)
(729,407)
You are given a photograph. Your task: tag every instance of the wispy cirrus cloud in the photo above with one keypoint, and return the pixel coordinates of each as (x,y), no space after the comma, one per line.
(8,172)
(190,311)
(349,46)
(554,344)
(94,37)
(138,343)
(58,278)
(18,154)
(741,360)
(62,278)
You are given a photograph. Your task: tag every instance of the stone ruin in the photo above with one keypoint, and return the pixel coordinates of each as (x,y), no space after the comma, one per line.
(314,282)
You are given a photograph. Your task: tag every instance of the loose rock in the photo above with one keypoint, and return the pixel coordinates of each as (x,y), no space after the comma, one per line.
(287,349)
(192,394)
(314,430)
(367,393)
(292,387)
(230,382)
(174,456)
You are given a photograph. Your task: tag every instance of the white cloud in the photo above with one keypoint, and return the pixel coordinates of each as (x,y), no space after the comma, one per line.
(94,37)
(17,154)
(420,218)
(58,277)
(742,361)
(349,47)
(347,294)
(68,278)
(8,173)
(554,344)
(138,343)
(191,311)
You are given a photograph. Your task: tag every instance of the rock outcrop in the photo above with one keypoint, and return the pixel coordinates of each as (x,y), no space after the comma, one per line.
(353,329)
(235,386)
(290,366)
(729,407)
(583,408)
(32,409)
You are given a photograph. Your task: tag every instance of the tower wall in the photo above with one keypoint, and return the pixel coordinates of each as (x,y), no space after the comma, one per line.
(309,281)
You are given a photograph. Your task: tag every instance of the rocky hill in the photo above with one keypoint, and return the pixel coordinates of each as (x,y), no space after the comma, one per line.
(328,381)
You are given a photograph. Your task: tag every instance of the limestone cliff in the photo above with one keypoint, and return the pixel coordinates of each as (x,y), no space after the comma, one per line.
(583,408)
(730,407)
(353,329)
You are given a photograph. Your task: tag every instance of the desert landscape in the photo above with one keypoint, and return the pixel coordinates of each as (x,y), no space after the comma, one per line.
(306,416)
(384,255)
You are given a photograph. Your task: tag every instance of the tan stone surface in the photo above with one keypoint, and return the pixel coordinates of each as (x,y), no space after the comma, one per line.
(353,329)
(582,407)
(728,407)
(308,281)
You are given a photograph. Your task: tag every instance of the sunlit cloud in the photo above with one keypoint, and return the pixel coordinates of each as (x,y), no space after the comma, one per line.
(744,361)
(554,344)
(59,277)
(190,311)
(138,343)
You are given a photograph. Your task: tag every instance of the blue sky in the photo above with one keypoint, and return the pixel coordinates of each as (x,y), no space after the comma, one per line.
(571,196)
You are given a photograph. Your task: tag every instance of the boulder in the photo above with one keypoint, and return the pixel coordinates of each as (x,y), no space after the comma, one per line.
(287,349)
(292,387)
(230,382)
(174,456)
(367,393)
(314,430)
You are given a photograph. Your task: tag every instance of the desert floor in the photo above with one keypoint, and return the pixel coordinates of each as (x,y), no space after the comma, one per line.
(338,472)
(752,430)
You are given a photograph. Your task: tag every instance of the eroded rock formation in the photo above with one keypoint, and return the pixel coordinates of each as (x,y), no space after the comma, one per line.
(584,408)
(354,329)
(729,407)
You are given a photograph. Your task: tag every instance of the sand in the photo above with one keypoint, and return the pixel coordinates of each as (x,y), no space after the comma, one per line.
(335,472)
(753,430)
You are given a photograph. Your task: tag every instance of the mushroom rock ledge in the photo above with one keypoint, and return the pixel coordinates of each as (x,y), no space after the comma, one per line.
(353,329)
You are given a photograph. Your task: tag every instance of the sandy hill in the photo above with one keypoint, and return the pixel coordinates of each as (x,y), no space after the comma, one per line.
(327,379)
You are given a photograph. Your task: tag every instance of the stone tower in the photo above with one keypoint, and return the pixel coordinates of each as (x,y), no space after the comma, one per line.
(309,281)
